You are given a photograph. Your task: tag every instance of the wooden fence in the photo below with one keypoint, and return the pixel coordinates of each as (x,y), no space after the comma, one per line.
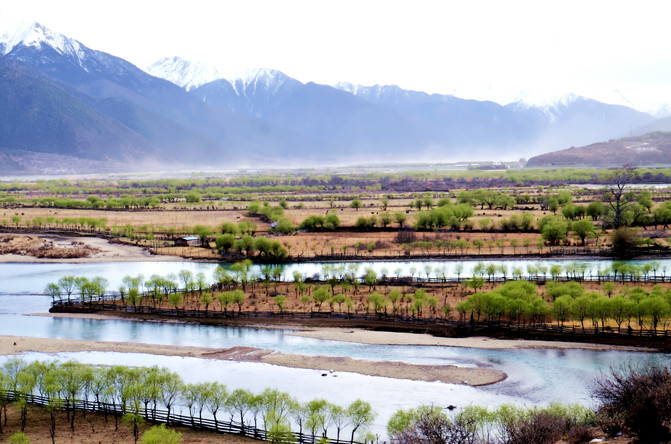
(174,419)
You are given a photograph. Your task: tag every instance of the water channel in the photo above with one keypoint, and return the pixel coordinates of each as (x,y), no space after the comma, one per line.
(24,278)
(535,376)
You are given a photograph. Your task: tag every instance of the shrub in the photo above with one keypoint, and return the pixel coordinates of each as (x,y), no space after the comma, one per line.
(542,428)
(636,399)
(161,435)
(429,425)
(624,239)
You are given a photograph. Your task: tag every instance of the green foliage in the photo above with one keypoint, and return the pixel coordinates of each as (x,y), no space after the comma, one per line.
(193,196)
(159,434)
(284,226)
(18,438)
(553,229)
(453,216)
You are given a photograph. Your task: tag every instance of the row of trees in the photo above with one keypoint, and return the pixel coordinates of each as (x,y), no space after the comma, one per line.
(519,302)
(150,393)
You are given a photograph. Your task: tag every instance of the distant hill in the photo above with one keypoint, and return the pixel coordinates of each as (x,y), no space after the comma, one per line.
(648,149)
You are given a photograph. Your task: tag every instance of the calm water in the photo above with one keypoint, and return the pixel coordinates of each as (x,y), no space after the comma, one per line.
(24,278)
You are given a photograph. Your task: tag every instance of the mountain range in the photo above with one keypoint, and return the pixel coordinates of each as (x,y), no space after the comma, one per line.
(89,110)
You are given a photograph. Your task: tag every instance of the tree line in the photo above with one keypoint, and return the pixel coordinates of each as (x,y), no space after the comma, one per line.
(139,394)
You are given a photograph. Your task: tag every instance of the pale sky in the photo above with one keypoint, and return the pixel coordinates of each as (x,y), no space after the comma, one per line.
(475,49)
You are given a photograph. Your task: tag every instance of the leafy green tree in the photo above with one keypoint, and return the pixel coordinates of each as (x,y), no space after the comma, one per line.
(217,400)
(176,299)
(378,301)
(317,409)
(356,204)
(595,209)
(206,300)
(280,300)
(553,229)
(582,229)
(238,297)
(239,402)
(561,309)
(385,218)
(321,295)
(193,196)
(171,388)
(361,415)
(400,218)
(67,284)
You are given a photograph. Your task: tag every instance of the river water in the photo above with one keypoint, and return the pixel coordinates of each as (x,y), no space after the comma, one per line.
(23,278)
(535,376)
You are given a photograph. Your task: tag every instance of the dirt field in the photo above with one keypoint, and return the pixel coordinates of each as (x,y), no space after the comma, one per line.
(93,429)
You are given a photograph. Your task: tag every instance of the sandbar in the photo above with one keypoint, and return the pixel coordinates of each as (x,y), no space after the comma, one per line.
(375,337)
(475,376)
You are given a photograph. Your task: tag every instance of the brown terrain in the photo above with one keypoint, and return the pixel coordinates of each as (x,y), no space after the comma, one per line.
(94,429)
(649,149)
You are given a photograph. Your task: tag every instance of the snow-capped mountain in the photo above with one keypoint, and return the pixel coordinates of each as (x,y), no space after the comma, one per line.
(101,106)
(32,34)
(184,73)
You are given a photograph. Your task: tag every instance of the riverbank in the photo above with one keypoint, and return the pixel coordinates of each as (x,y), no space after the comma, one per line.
(475,376)
(37,248)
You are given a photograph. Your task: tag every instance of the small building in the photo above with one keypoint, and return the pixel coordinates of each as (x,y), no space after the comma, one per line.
(187,241)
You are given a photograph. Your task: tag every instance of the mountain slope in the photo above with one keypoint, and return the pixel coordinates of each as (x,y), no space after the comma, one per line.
(182,126)
(648,149)
(38,115)
(111,110)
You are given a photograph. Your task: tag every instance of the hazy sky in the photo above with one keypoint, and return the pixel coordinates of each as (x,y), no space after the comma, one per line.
(479,49)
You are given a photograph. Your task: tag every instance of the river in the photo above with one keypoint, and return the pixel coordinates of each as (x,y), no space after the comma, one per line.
(25,278)
(535,376)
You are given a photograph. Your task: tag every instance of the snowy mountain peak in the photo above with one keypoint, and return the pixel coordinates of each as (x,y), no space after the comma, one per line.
(258,80)
(32,34)
(184,73)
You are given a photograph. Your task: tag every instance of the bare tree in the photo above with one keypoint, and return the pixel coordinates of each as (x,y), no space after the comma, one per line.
(616,196)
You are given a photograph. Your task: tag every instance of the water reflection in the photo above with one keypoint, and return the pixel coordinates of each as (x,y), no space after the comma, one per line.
(33,278)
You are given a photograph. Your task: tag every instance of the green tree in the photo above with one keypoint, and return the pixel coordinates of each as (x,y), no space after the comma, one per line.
(193,196)
(206,300)
(321,295)
(582,229)
(176,299)
(553,229)
(280,300)
(361,415)
(400,218)
(356,204)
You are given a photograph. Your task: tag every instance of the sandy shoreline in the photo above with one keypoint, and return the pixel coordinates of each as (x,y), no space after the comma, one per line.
(373,337)
(450,374)
(109,252)
(393,338)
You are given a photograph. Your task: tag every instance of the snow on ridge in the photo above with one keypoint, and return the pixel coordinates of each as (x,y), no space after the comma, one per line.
(31,34)
(184,73)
